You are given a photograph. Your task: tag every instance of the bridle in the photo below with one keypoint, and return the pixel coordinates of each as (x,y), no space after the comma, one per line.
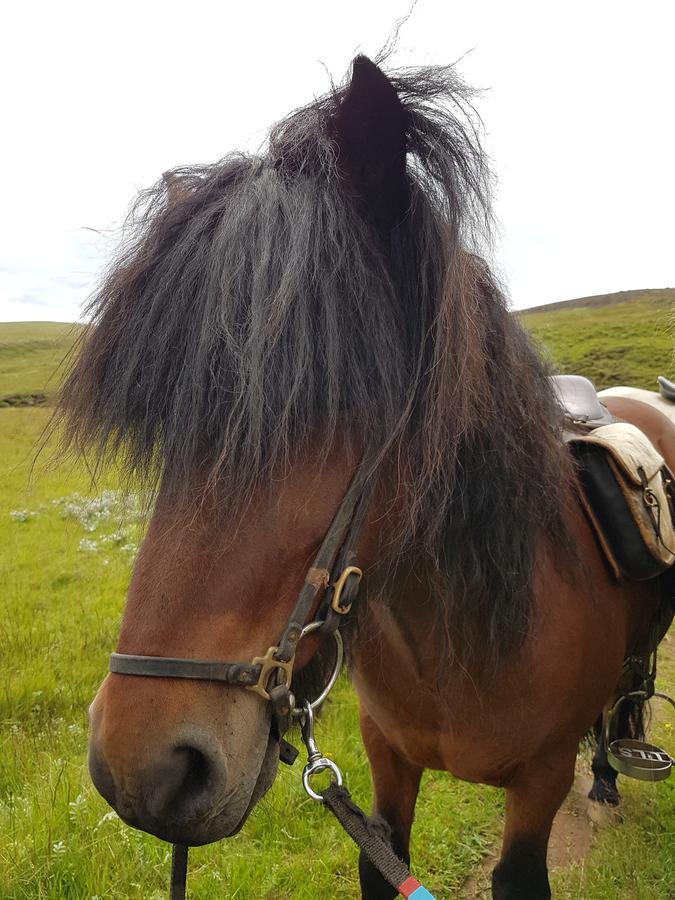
(270,676)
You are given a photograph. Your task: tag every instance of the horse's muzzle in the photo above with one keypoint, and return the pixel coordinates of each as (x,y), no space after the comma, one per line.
(180,795)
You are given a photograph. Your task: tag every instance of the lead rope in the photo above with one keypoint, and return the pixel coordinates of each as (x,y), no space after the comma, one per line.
(367,834)
(179,861)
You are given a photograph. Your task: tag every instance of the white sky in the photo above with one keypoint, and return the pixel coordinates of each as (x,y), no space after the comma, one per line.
(100,99)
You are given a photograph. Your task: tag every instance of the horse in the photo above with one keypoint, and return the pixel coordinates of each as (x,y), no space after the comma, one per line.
(278,328)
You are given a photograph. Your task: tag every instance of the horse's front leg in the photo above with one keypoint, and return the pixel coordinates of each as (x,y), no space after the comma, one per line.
(396,784)
(533,797)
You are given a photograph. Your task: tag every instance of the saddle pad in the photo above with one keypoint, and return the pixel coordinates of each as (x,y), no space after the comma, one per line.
(628,493)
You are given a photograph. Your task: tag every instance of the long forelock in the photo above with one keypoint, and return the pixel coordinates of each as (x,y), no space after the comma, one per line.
(254,308)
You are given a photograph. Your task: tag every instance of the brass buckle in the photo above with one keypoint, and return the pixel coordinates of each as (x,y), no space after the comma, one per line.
(268,663)
(339,587)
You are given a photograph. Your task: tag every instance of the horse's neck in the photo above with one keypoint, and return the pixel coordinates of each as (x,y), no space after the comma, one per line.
(403,637)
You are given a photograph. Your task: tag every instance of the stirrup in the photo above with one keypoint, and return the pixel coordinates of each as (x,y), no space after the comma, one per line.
(637,759)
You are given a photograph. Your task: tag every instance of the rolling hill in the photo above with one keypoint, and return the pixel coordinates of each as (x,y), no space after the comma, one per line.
(658,295)
(622,338)
(31,354)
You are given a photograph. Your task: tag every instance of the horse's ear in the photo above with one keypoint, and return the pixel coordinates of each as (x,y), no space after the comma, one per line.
(370,129)
(175,187)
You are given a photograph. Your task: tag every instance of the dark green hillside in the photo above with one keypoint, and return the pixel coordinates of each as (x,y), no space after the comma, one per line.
(658,295)
(625,338)
(30,356)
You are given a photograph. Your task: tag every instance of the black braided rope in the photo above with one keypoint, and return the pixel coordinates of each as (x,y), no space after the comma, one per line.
(366,834)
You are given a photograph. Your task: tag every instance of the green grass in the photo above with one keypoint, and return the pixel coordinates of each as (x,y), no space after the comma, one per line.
(60,608)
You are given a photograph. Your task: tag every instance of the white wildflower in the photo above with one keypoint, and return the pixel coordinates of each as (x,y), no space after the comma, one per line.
(21,515)
(75,806)
(88,545)
(106,817)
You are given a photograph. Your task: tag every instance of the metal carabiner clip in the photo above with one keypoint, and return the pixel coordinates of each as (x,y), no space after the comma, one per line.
(316,762)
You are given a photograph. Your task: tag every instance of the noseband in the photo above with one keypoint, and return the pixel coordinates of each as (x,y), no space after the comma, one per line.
(270,676)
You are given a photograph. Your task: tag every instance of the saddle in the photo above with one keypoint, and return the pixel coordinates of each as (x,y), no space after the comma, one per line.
(627,489)
(580,403)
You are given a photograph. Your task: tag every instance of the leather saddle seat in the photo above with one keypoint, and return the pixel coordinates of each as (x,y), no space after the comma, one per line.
(579,401)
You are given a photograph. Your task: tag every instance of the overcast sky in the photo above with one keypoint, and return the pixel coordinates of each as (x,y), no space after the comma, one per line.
(100,99)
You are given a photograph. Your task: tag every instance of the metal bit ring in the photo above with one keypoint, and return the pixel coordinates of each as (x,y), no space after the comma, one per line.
(337,668)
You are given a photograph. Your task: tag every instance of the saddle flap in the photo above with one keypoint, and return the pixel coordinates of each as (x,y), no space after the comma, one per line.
(627,491)
(632,450)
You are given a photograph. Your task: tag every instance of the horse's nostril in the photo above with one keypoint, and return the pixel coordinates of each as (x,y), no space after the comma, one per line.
(197,767)
(180,787)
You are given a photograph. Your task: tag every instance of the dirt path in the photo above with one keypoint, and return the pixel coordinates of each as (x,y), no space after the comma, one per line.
(578,819)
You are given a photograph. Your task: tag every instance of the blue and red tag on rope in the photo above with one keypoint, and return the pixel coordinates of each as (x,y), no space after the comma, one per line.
(413,890)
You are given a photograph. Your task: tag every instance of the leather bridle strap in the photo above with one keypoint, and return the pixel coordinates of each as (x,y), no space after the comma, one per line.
(333,609)
(338,545)
(340,535)
(197,669)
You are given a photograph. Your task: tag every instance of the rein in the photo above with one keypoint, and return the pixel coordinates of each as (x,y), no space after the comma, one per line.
(270,676)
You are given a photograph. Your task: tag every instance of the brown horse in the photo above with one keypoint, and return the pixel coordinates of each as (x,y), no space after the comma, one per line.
(275,320)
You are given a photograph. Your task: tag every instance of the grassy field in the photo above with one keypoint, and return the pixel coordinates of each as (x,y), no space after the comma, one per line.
(66,559)
(609,339)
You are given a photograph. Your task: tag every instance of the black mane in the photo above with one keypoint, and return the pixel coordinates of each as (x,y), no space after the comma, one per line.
(261,301)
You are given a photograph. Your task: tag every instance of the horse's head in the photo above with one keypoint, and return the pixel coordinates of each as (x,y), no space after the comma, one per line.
(188,759)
